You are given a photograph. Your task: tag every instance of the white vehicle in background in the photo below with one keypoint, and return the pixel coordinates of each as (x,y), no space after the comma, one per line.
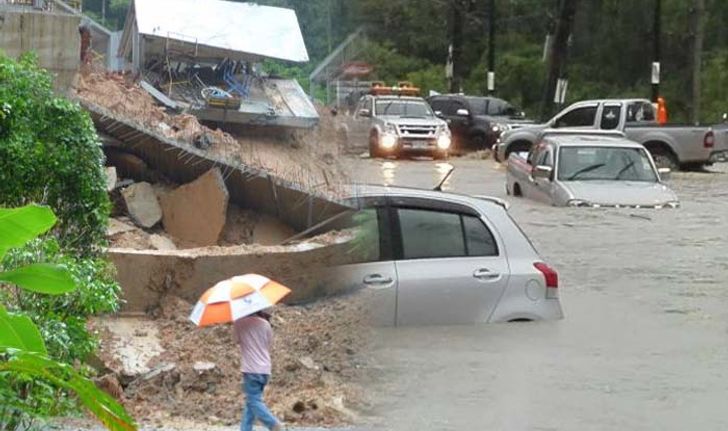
(588,170)
(392,122)
(671,145)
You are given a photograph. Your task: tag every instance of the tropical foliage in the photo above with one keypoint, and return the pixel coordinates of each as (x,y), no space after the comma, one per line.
(25,364)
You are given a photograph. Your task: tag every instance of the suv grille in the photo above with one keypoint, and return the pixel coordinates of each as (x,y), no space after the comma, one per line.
(413,131)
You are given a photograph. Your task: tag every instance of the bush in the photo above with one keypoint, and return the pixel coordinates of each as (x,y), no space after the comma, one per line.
(49,153)
(32,385)
(62,319)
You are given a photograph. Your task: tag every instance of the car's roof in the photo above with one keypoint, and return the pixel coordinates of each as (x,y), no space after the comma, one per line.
(395,97)
(372,190)
(465,96)
(591,141)
(627,100)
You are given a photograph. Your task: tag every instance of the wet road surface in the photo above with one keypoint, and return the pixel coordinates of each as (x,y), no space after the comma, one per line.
(644,344)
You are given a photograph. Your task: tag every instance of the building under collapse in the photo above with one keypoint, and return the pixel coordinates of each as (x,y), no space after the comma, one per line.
(205,58)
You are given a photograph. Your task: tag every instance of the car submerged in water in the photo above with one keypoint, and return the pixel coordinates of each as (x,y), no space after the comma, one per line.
(427,257)
(589,170)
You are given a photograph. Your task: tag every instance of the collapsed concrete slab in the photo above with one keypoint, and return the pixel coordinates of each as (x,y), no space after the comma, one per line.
(142,204)
(195,212)
(297,205)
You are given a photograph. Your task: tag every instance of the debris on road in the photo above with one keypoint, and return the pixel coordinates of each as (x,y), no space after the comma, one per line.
(195,372)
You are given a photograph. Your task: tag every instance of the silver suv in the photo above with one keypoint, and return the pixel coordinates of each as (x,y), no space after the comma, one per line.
(395,126)
(430,257)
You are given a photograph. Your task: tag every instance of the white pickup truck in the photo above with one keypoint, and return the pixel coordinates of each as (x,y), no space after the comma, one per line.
(589,170)
(671,146)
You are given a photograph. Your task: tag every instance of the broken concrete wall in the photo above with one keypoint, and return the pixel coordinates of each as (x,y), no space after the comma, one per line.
(54,37)
(146,276)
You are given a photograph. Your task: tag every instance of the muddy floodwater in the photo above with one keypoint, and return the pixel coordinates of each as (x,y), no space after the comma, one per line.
(643,346)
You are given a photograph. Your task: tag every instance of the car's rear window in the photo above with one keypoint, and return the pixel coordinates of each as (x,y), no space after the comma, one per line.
(436,234)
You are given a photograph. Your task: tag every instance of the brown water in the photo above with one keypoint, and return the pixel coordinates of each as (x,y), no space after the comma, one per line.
(644,344)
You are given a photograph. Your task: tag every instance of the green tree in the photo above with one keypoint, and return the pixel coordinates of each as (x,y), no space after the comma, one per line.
(49,153)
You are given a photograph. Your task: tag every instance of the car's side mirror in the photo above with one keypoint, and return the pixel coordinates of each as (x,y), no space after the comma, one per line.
(365,113)
(664,173)
(462,112)
(439,114)
(542,171)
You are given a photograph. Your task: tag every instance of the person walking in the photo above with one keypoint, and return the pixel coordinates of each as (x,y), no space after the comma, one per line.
(254,334)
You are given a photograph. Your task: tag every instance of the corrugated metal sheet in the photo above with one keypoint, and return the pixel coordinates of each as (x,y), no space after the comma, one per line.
(217,27)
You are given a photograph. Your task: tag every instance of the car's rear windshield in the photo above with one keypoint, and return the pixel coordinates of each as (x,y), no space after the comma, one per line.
(491,106)
(584,163)
(404,108)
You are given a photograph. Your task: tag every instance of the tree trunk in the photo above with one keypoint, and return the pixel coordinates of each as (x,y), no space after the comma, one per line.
(698,30)
(456,37)
(559,51)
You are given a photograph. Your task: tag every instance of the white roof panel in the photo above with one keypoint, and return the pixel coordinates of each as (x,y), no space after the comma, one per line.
(244,27)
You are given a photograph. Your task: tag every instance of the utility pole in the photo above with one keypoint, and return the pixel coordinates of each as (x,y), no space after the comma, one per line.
(103,11)
(698,24)
(557,56)
(328,26)
(491,47)
(456,33)
(655,78)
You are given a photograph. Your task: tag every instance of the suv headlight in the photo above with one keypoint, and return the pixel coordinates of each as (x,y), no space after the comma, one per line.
(390,128)
(499,127)
(444,141)
(579,203)
(672,204)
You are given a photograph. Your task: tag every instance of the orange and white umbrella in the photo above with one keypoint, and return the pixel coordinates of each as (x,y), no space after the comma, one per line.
(235,298)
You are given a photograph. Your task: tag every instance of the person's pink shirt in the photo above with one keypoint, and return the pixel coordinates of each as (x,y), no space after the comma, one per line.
(254,335)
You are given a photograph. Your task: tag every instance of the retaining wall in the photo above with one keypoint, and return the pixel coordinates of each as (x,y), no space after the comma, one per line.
(146,276)
(53,36)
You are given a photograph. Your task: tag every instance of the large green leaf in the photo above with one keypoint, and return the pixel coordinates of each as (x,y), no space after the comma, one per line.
(107,410)
(41,278)
(20,225)
(8,335)
(28,333)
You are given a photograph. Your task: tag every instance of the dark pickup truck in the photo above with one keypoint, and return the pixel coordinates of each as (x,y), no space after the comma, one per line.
(476,122)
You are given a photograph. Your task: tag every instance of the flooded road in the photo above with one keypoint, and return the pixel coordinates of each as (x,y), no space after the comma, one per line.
(644,344)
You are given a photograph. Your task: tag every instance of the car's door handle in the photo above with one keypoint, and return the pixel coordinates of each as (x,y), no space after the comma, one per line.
(486,274)
(378,280)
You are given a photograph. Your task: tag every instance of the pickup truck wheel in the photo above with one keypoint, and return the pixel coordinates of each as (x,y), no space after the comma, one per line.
(517,190)
(479,142)
(664,158)
(374,146)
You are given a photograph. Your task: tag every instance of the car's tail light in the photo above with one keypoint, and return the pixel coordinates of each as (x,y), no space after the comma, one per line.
(709,140)
(552,279)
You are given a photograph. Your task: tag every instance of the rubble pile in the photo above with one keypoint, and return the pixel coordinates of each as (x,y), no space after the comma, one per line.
(165,216)
(307,158)
(317,355)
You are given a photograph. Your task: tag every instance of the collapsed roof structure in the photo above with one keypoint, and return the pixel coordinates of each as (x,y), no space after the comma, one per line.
(205,57)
